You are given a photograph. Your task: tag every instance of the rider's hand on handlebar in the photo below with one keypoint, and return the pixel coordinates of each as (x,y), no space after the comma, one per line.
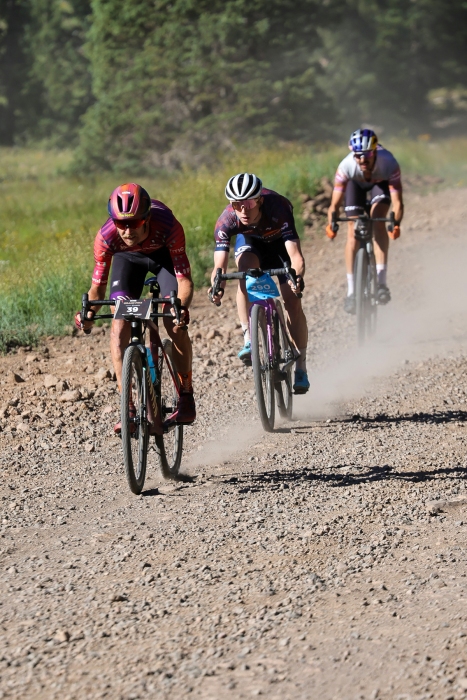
(395,233)
(87,324)
(299,287)
(184,316)
(217,298)
(329,232)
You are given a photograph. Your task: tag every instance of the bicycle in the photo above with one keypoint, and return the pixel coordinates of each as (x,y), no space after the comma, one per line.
(150,386)
(272,352)
(366,281)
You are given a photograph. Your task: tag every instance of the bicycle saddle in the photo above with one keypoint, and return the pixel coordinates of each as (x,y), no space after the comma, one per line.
(150,280)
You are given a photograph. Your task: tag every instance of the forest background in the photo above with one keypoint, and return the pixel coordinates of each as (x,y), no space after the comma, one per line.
(180,94)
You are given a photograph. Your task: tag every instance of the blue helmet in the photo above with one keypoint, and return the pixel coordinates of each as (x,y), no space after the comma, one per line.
(363,140)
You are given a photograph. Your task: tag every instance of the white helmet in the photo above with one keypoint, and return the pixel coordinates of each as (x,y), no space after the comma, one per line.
(243,186)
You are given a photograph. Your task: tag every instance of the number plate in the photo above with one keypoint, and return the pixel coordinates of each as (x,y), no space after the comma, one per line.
(139,308)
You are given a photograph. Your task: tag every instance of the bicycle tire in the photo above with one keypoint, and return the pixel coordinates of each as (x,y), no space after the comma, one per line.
(262,372)
(135,429)
(361,282)
(283,388)
(372,297)
(169,446)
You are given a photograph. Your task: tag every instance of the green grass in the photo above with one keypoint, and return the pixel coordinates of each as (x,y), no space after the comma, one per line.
(49,219)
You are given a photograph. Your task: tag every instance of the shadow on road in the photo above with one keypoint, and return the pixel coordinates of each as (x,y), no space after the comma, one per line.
(279,479)
(422,417)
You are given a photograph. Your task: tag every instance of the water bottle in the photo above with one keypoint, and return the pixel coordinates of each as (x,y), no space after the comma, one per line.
(152,367)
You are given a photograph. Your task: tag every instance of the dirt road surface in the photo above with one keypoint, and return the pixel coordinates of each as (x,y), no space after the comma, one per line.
(326,560)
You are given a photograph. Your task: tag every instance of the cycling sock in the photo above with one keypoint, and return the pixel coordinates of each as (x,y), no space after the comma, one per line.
(185,381)
(350,285)
(246,333)
(301,361)
(381,271)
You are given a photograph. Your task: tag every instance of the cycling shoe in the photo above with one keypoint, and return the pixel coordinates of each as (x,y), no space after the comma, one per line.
(349,304)
(245,353)
(301,383)
(118,426)
(186,409)
(383,295)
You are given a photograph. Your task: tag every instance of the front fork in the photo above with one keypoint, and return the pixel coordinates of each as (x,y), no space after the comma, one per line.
(269,327)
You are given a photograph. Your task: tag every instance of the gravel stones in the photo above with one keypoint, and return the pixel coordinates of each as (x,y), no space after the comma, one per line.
(316,569)
(71,396)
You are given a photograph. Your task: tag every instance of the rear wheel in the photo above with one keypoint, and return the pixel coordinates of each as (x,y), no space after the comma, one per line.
(262,372)
(169,446)
(135,429)
(361,293)
(284,385)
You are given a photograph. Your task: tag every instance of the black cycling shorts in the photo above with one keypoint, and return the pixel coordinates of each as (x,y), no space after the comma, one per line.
(270,255)
(129,270)
(359,198)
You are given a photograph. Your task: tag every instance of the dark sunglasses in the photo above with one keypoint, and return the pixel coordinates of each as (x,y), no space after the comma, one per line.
(363,156)
(131,224)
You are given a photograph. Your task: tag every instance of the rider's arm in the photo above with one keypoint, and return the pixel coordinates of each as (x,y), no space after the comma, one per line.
(185,290)
(336,201)
(297,260)
(221,259)
(397,204)
(97,291)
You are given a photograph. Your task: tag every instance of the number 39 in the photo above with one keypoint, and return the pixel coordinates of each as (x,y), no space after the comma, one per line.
(132,309)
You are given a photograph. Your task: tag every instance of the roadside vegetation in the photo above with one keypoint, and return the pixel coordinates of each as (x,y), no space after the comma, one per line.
(49,218)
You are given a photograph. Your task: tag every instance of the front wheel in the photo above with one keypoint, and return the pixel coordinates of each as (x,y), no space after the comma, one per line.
(135,429)
(169,446)
(361,293)
(284,354)
(262,371)
(372,296)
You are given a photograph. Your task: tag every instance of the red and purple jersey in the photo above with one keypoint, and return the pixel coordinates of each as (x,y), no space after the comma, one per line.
(276,222)
(164,232)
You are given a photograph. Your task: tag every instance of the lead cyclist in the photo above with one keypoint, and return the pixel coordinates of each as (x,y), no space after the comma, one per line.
(262,222)
(369,172)
(143,236)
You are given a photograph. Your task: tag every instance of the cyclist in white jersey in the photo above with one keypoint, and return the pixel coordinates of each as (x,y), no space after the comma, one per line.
(368,177)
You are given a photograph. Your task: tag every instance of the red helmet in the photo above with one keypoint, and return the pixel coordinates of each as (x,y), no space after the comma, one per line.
(129,201)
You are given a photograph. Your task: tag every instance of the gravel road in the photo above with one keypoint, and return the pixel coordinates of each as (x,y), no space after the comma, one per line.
(326,560)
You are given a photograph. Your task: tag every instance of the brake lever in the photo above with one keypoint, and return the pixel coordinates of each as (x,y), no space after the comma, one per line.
(84,311)
(215,289)
(175,302)
(292,277)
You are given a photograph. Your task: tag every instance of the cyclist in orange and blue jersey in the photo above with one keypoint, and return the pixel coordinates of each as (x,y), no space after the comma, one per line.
(262,222)
(369,177)
(142,235)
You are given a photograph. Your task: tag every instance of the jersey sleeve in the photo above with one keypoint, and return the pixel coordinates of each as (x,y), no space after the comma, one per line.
(176,245)
(102,261)
(341,179)
(223,232)
(395,183)
(288,229)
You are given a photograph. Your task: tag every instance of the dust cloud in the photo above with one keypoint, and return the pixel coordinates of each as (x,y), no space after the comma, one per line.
(427,316)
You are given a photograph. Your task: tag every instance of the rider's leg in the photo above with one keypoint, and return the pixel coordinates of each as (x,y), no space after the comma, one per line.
(380,211)
(351,248)
(296,320)
(355,199)
(244,262)
(182,352)
(296,323)
(119,339)
(182,355)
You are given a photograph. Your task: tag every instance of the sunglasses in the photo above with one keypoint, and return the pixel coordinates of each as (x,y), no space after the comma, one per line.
(245,204)
(132,224)
(363,156)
